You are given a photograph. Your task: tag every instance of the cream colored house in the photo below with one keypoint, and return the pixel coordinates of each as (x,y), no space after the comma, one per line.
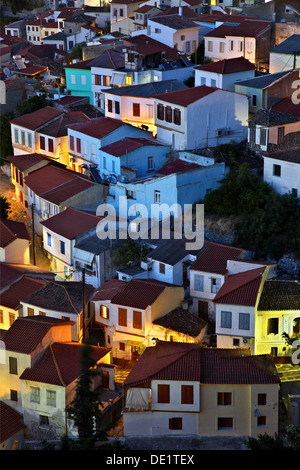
(278,312)
(129,313)
(178,389)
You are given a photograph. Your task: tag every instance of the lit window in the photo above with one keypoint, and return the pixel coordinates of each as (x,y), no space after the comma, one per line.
(104,311)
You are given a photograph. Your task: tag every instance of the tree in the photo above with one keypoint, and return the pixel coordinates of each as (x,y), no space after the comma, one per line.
(129,252)
(33,104)
(5,140)
(85,408)
(4,207)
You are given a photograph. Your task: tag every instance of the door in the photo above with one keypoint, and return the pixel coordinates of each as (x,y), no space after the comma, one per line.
(203,309)
(105,379)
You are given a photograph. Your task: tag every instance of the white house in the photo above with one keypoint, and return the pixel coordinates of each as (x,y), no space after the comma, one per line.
(224,73)
(190,119)
(249,38)
(174,31)
(14,242)
(120,13)
(282,171)
(285,56)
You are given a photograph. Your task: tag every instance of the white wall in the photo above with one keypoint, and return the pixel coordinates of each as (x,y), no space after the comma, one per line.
(289,179)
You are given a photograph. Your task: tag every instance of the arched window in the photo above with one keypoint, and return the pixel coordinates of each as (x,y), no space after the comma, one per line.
(296,326)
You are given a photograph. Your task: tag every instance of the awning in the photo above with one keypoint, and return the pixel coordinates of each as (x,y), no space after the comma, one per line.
(83,256)
(138,398)
(118,79)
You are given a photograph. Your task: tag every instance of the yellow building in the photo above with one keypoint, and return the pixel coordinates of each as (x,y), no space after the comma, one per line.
(178,389)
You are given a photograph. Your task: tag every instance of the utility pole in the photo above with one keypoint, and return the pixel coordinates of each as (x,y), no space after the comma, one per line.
(83,306)
(33,234)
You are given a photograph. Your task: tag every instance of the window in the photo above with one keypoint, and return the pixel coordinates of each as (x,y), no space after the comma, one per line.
(254,100)
(83,80)
(198,282)
(50,145)
(182,37)
(295,192)
(48,239)
(113,166)
(244,321)
(263,136)
(277,170)
(210,46)
(106,80)
(240,46)
(149,108)
(13,365)
(261,421)
(136,109)
(187,394)
(177,117)
(122,346)
(188,47)
(104,162)
(150,163)
(160,112)
(122,317)
(110,106)
(225,423)
(121,12)
(175,423)
(222,47)
(30,311)
(226,319)
(273,326)
(280,135)
(35,395)
(157,197)
(11,318)
(261,399)
(14,395)
(162,268)
(215,285)
(224,398)
(51,397)
(231,45)
(42,143)
(71,142)
(1,316)
(203,81)
(73,78)
(104,312)
(236,342)
(137,320)
(117,107)
(23,137)
(44,420)
(29,140)
(168,114)
(78,145)
(296,326)
(163,393)
(42,314)
(62,248)
(97,79)
(213,82)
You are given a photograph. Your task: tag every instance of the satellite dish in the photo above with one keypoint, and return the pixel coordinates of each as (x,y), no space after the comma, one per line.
(7,72)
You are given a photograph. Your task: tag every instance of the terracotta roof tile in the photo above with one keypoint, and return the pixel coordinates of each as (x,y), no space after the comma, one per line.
(71,222)
(12,297)
(247,28)
(26,161)
(176,166)
(241,288)
(11,422)
(226,66)
(182,321)
(187,96)
(26,333)
(37,118)
(194,362)
(280,294)
(214,257)
(128,144)
(11,230)
(11,272)
(60,365)
(97,128)
(109,289)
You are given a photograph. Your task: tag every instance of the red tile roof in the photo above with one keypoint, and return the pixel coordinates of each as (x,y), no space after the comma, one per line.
(187,12)
(71,222)
(194,362)
(176,166)
(59,128)
(37,118)
(60,365)
(63,297)
(26,333)
(11,422)
(186,96)
(140,293)
(247,28)
(11,272)
(56,184)
(26,161)
(109,289)
(145,45)
(97,128)
(241,288)
(128,144)
(287,106)
(237,64)
(214,257)
(31,70)
(11,231)
(12,297)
